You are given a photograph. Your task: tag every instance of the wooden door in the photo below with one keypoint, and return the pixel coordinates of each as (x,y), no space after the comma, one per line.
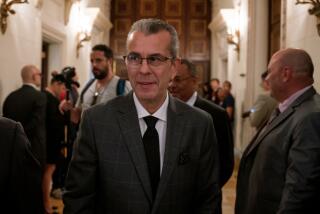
(190,18)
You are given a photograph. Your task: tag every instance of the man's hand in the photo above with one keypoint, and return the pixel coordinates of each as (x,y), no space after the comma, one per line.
(65,105)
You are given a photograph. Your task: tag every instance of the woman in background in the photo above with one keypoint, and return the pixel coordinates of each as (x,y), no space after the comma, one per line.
(55,123)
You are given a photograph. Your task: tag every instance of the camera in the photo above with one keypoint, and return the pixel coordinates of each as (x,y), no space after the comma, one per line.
(68,73)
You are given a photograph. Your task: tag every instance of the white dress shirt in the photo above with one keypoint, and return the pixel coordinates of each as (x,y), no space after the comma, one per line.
(161,124)
(192,99)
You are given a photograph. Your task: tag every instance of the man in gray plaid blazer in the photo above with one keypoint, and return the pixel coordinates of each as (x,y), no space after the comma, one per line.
(111,170)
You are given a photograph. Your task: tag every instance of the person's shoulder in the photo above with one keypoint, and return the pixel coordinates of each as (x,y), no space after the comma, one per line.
(312,104)
(6,123)
(112,105)
(8,129)
(195,114)
(209,106)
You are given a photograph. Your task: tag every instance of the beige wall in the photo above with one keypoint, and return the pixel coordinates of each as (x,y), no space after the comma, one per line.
(301,32)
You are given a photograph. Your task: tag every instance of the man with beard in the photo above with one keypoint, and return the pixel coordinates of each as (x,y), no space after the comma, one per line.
(105,84)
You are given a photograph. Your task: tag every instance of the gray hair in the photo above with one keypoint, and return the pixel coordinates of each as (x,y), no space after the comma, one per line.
(191,67)
(153,26)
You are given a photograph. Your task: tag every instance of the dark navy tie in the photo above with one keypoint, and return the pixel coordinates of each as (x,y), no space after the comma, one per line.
(151,147)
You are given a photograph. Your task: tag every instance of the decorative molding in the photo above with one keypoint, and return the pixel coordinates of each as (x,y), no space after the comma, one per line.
(217,24)
(102,23)
(120,46)
(67,9)
(198,8)
(122,26)
(148,8)
(56,35)
(39,3)
(173,8)
(176,23)
(283,24)
(198,28)
(123,7)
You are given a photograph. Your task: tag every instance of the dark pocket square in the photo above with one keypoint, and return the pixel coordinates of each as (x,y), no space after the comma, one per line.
(183,158)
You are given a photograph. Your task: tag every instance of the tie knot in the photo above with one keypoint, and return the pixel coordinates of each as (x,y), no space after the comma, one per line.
(150,121)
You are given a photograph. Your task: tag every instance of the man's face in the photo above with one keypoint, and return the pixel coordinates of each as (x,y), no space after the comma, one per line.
(99,64)
(274,79)
(226,87)
(150,82)
(214,84)
(183,85)
(59,88)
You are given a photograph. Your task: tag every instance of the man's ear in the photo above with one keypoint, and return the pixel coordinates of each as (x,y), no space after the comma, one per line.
(33,77)
(287,74)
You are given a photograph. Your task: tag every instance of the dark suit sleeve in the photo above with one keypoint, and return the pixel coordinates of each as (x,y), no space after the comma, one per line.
(302,187)
(209,194)
(225,140)
(24,174)
(38,113)
(81,179)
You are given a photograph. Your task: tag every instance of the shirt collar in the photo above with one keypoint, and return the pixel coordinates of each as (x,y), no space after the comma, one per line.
(192,99)
(161,113)
(32,85)
(285,104)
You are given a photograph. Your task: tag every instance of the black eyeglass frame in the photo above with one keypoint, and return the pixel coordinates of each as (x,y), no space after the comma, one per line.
(150,59)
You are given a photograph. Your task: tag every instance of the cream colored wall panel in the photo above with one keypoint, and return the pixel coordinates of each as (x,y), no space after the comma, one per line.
(53,9)
(312,45)
(301,33)
(294,10)
(297,28)
(20,45)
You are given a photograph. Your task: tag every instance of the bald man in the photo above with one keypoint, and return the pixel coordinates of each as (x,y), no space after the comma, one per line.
(280,169)
(27,105)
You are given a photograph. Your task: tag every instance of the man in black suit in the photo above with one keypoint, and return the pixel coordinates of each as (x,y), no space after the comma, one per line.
(27,105)
(20,177)
(280,169)
(184,86)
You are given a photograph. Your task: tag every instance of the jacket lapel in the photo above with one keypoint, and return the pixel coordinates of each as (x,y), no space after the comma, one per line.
(129,125)
(173,137)
(278,120)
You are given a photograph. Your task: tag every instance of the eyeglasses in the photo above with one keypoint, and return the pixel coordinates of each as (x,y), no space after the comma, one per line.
(155,60)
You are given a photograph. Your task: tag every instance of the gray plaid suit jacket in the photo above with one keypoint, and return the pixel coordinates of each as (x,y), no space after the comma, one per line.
(279,170)
(108,171)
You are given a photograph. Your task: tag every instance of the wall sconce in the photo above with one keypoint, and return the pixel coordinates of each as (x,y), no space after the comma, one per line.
(313,11)
(82,37)
(5,9)
(231,19)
